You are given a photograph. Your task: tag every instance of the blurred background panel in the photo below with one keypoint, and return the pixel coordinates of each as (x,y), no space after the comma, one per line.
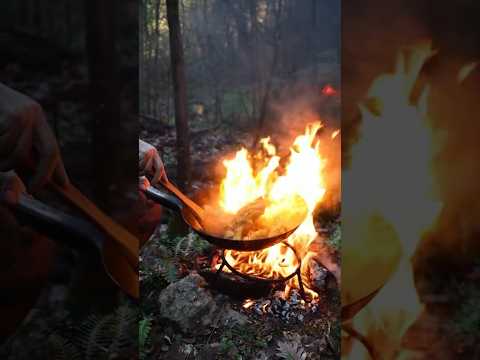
(79,61)
(410,178)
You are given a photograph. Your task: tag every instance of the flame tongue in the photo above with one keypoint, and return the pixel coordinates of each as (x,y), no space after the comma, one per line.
(284,194)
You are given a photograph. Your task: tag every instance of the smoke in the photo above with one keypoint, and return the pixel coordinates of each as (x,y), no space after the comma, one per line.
(302,104)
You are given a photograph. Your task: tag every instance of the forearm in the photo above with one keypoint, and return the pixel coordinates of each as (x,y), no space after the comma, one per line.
(26,138)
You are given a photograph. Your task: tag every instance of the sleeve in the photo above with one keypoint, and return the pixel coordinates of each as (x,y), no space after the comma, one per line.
(146,151)
(143,149)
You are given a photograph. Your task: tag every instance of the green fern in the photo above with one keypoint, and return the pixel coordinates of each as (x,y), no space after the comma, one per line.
(62,349)
(95,336)
(124,329)
(144,329)
(98,337)
(190,245)
(101,336)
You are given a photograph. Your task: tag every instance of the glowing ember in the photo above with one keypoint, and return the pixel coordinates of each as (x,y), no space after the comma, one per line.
(329,90)
(280,186)
(396,144)
(248,303)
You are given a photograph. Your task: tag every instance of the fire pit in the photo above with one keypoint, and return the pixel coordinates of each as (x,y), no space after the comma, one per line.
(268,281)
(260,196)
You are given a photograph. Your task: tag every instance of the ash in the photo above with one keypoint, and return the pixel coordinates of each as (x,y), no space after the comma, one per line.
(293,310)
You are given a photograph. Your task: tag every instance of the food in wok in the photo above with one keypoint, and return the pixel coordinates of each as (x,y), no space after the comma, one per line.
(257,220)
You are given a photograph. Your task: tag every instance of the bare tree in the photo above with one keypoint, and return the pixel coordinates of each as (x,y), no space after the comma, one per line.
(180,94)
(276,43)
(111,135)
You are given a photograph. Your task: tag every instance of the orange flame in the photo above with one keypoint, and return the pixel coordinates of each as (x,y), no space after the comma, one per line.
(302,176)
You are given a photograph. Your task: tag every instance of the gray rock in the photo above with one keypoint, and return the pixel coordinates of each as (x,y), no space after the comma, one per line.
(231,317)
(190,305)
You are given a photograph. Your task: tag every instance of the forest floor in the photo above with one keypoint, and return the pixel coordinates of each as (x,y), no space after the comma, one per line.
(183,317)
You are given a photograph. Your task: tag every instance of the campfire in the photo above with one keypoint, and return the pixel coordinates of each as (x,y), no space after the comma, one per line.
(262,194)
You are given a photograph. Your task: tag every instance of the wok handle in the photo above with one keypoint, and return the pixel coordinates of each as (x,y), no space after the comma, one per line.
(197,210)
(126,243)
(58,224)
(162,198)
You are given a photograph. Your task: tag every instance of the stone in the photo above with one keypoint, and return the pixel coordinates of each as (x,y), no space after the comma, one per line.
(192,307)
(232,317)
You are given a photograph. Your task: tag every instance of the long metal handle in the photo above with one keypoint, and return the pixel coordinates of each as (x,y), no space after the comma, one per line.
(126,243)
(163,198)
(58,224)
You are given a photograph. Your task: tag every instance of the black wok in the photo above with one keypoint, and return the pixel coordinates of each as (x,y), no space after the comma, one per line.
(191,219)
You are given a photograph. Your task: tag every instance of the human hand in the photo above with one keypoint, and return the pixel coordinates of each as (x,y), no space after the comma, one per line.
(26,139)
(11,187)
(150,162)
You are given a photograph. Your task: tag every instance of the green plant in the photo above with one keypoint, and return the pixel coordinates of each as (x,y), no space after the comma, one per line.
(180,249)
(107,334)
(182,245)
(98,337)
(291,350)
(190,245)
(144,330)
(245,340)
(62,349)
(226,345)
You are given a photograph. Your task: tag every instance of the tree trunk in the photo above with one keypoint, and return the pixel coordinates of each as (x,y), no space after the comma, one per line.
(68,24)
(254,49)
(313,35)
(180,95)
(156,90)
(114,143)
(266,98)
(268,87)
